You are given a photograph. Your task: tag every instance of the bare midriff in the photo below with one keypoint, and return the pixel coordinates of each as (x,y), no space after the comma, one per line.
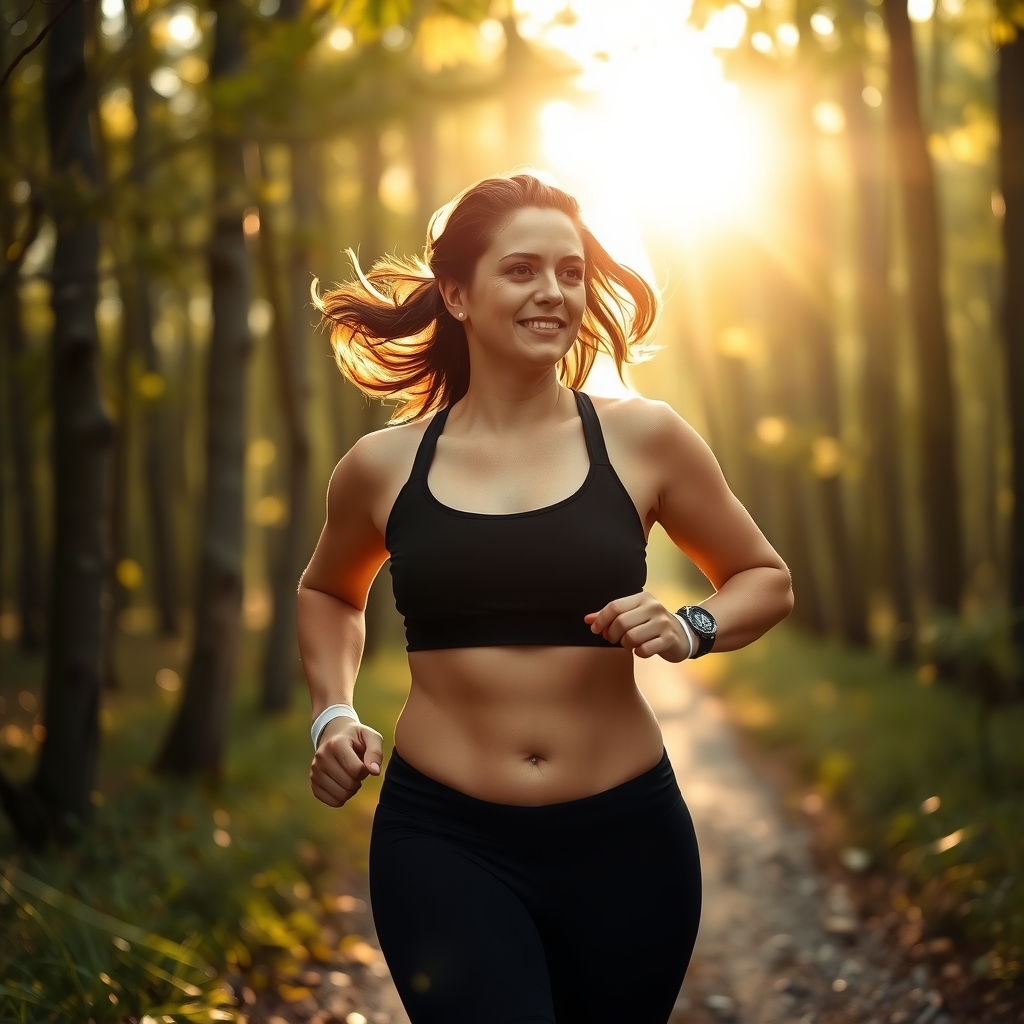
(527,725)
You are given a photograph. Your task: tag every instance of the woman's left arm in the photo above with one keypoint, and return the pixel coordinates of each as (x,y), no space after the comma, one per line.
(706,521)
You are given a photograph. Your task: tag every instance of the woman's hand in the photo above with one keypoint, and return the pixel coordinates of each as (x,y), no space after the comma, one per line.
(643,625)
(348,752)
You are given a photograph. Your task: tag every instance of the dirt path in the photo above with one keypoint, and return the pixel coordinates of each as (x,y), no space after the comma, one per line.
(778,943)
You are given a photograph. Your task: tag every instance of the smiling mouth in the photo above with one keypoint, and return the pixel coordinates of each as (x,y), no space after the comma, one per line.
(543,324)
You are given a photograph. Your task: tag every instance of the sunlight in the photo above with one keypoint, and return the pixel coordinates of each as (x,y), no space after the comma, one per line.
(660,134)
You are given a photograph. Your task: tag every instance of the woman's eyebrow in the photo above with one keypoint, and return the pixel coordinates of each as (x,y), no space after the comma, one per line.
(537,256)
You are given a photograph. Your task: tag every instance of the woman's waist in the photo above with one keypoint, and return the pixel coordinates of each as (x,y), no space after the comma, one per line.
(530,748)
(626,808)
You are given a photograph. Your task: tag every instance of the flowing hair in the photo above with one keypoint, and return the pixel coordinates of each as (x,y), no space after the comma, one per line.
(394,338)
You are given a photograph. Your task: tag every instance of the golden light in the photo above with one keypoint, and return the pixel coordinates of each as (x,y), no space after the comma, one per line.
(663,138)
(340,39)
(771,430)
(762,42)
(871,96)
(822,23)
(829,118)
(920,10)
(788,35)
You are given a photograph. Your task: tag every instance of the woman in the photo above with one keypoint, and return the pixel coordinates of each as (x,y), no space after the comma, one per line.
(531,857)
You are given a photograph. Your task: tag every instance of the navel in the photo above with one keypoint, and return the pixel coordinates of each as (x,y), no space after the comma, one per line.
(534,759)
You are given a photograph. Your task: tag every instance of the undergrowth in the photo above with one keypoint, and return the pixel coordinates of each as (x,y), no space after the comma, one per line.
(900,755)
(177,895)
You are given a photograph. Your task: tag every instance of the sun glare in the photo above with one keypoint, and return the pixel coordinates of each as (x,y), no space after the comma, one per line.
(659,134)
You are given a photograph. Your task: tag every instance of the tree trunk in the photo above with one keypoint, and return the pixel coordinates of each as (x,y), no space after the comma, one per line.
(289,337)
(938,455)
(139,320)
(57,802)
(815,328)
(1011,168)
(884,498)
(381,617)
(29,567)
(195,744)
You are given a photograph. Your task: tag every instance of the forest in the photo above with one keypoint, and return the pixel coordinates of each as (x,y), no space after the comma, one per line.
(828,196)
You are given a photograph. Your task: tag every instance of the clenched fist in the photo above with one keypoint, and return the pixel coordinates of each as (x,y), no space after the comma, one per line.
(348,752)
(643,625)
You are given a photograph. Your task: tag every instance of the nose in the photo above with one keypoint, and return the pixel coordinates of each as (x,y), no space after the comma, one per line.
(548,292)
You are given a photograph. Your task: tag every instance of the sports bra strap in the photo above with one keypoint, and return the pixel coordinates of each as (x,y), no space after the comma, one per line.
(428,442)
(592,430)
(592,433)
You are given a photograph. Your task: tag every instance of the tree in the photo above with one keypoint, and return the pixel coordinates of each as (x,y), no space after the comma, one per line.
(57,800)
(290,337)
(880,411)
(195,743)
(29,569)
(1010,82)
(938,452)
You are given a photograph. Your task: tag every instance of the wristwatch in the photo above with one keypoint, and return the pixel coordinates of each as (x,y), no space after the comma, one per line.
(703,624)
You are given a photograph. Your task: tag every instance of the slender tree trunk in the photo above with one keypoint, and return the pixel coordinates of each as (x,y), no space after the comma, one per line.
(29,572)
(938,456)
(884,506)
(289,339)
(139,318)
(57,801)
(1011,170)
(195,744)
(818,335)
(380,612)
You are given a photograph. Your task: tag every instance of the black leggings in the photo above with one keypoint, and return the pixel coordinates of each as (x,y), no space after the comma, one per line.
(582,912)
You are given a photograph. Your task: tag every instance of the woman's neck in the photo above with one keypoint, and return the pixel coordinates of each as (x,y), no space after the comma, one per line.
(500,405)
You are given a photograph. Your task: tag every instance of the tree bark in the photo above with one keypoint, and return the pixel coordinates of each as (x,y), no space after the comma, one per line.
(139,319)
(29,572)
(381,617)
(818,336)
(884,498)
(195,744)
(938,454)
(57,801)
(1010,82)
(289,337)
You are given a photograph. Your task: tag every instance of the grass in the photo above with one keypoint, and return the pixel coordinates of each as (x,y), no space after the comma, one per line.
(897,755)
(178,895)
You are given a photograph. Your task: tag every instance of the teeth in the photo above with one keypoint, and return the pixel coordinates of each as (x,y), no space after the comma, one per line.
(542,324)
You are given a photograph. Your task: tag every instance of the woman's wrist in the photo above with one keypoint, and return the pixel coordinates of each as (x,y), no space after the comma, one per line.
(328,715)
(688,633)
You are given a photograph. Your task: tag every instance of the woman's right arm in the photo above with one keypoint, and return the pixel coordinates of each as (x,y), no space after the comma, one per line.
(331,624)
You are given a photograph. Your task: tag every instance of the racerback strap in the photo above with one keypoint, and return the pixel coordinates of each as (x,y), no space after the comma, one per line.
(428,442)
(592,430)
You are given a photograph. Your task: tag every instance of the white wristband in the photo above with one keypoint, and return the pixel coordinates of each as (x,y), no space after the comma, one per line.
(329,714)
(689,635)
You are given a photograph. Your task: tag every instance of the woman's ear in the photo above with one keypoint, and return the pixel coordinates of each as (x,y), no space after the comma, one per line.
(454,296)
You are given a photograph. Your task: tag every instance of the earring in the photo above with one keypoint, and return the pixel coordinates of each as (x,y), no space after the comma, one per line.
(462,316)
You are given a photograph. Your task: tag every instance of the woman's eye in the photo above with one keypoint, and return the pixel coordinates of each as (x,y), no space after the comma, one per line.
(521,270)
(574,273)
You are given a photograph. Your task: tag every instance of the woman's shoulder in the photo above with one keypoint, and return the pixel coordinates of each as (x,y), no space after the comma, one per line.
(381,456)
(641,421)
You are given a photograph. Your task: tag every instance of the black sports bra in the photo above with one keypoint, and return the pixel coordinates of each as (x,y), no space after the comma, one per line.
(473,579)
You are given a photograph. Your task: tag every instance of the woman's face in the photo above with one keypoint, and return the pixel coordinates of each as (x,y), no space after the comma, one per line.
(527,297)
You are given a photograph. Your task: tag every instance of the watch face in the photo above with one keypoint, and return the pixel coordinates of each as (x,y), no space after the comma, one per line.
(702,621)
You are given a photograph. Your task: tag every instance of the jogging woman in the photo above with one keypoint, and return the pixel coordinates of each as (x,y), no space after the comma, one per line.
(531,856)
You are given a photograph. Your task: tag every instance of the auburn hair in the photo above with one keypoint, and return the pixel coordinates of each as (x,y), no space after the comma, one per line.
(394,338)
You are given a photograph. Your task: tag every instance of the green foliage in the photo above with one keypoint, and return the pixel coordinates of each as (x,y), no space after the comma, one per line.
(897,754)
(176,897)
